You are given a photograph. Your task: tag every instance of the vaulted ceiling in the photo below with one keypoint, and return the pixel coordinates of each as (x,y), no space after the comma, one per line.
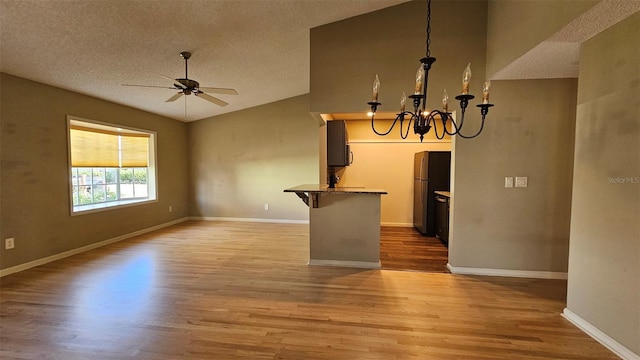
(259,48)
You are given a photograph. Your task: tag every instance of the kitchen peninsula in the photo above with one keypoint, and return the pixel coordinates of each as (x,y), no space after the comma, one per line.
(344,225)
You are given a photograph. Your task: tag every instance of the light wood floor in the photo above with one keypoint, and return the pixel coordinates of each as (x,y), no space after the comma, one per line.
(406,249)
(219,290)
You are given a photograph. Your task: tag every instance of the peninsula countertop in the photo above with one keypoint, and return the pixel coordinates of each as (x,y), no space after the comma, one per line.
(344,224)
(316,188)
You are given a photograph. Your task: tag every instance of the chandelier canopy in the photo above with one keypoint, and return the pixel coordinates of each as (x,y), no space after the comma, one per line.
(422,119)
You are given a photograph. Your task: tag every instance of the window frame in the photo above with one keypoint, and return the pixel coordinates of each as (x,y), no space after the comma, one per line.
(152,174)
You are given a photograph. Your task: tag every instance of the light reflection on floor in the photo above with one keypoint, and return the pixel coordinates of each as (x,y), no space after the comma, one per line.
(112,301)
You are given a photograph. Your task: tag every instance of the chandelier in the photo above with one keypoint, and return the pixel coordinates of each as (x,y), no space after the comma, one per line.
(422,119)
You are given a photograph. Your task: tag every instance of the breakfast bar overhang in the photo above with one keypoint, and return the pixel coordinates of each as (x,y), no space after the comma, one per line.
(344,225)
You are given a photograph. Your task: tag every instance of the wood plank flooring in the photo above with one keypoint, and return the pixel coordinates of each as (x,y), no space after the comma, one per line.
(221,290)
(404,248)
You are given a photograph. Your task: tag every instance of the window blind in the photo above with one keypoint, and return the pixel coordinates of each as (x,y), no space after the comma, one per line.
(104,148)
(134,149)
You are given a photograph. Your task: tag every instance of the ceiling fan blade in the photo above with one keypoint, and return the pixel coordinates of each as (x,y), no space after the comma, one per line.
(174,97)
(219,90)
(149,86)
(211,99)
(175,82)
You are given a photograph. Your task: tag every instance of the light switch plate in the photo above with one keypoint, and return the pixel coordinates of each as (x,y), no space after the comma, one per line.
(508,181)
(521,181)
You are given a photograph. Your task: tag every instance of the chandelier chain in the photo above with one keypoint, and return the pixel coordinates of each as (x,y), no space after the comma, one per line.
(428,28)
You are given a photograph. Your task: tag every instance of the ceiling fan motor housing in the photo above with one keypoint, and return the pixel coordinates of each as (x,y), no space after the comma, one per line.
(190,85)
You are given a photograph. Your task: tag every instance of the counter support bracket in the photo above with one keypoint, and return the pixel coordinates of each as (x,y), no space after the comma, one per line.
(305,198)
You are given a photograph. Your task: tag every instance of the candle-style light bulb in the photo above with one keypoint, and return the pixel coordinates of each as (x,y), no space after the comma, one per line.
(419,80)
(403,101)
(376,89)
(466,79)
(445,101)
(485,92)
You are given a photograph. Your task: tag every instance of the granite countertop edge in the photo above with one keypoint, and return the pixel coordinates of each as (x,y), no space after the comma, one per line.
(315,188)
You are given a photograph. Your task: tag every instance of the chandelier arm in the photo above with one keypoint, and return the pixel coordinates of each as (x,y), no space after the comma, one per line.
(373,127)
(474,135)
(432,118)
(484,110)
(454,126)
(461,122)
(464,102)
(405,134)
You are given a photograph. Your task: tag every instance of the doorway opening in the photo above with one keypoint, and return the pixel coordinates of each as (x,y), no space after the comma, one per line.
(404,248)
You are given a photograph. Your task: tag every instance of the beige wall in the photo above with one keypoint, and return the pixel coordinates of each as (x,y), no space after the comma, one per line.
(243,160)
(528,133)
(35,202)
(604,263)
(515,27)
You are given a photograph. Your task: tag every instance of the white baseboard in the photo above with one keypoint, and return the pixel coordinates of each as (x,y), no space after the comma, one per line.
(278,221)
(344,263)
(392,224)
(62,255)
(507,273)
(599,336)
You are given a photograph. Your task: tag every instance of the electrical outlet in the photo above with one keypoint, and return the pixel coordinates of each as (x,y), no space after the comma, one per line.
(266,206)
(521,181)
(508,181)
(170,208)
(9,243)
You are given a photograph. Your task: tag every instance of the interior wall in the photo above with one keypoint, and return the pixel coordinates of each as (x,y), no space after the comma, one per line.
(35,180)
(387,164)
(243,160)
(530,132)
(604,262)
(515,27)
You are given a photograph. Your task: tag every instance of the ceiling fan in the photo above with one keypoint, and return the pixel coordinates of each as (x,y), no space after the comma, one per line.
(186,86)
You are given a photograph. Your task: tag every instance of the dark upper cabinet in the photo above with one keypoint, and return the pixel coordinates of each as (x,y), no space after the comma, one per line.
(338,152)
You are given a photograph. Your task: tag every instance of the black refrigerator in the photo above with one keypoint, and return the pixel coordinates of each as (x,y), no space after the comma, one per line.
(432,172)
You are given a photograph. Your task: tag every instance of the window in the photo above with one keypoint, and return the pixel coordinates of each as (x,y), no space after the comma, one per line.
(110,165)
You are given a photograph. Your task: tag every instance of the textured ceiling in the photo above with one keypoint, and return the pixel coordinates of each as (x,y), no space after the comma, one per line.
(260,48)
(558,56)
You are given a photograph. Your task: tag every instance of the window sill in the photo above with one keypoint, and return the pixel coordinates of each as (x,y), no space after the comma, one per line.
(92,208)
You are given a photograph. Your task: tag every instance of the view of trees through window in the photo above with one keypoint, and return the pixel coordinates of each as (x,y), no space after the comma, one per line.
(93,185)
